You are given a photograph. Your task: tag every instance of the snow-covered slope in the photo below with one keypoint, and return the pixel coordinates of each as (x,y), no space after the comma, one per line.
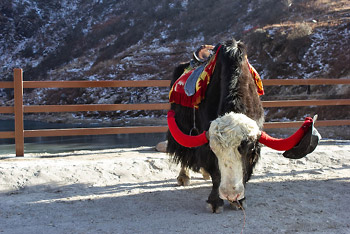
(132,40)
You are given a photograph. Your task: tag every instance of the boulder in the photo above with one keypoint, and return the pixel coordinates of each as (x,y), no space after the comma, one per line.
(161,146)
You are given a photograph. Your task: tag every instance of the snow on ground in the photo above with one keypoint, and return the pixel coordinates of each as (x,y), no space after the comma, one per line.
(134,191)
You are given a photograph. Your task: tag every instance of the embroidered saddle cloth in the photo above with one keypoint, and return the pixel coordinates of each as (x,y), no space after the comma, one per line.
(189,89)
(178,94)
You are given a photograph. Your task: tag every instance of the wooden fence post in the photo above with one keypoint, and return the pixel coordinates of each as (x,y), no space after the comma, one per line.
(18,110)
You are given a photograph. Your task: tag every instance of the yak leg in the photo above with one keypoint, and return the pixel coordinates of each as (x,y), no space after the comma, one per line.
(184,177)
(204,173)
(215,203)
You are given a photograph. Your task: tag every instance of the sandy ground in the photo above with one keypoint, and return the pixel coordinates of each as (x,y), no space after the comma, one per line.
(135,191)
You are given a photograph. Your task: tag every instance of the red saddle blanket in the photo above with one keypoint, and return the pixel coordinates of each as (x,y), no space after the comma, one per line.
(178,95)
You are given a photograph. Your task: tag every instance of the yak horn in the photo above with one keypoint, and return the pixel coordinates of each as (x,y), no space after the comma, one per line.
(288,143)
(180,137)
(274,143)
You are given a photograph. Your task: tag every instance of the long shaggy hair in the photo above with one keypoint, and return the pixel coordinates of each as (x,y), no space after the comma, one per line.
(231,89)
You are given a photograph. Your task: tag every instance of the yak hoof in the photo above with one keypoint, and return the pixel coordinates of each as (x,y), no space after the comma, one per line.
(183,180)
(205,174)
(236,206)
(215,209)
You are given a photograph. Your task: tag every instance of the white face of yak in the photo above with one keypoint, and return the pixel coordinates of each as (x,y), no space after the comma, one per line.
(225,136)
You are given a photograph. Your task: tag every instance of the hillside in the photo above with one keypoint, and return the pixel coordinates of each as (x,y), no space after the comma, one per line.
(133,40)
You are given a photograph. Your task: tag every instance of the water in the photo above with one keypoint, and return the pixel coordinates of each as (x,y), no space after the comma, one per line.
(71,143)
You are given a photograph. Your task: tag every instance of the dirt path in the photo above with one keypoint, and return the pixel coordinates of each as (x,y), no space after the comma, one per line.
(134,191)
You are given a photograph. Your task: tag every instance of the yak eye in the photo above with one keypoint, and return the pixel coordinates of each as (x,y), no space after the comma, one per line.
(246,147)
(243,147)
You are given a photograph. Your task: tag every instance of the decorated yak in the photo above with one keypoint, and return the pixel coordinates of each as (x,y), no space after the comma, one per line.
(216,120)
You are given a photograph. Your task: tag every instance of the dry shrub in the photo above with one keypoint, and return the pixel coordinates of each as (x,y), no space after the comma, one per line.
(300,31)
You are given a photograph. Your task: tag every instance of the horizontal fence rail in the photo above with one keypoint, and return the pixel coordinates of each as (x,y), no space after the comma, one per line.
(159,106)
(19,109)
(273,82)
(156,83)
(95,131)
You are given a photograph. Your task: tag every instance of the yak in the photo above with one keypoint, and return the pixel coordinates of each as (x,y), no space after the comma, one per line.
(218,130)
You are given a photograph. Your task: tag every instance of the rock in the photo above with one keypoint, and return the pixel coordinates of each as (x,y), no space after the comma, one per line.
(161,146)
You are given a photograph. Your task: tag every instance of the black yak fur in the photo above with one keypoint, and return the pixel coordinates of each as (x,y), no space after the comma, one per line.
(231,88)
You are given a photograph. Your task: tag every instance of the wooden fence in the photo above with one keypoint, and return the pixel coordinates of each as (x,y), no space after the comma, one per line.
(19,109)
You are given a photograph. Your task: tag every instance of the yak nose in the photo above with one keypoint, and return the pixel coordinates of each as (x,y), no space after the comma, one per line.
(232,193)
